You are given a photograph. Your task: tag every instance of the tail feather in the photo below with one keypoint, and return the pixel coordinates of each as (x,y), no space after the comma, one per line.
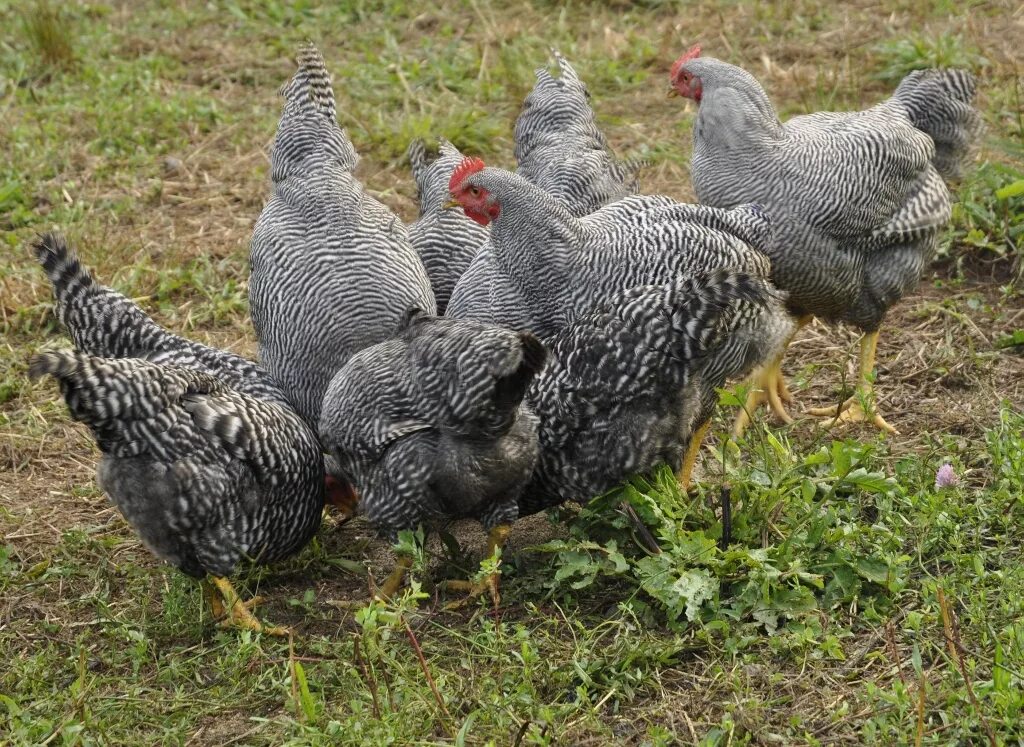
(119,399)
(417,155)
(432,172)
(700,305)
(309,91)
(100,320)
(309,130)
(510,389)
(940,104)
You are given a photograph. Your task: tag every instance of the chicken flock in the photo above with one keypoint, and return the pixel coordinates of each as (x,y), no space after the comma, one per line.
(536,336)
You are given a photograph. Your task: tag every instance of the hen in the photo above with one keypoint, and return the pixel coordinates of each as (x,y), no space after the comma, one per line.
(104,323)
(858,199)
(429,427)
(446,240)
(332,268)
(207,476)
(559,147)
(543,267)
(630,382)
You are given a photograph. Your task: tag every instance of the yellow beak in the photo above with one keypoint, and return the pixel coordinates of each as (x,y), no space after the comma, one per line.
(672,93)
(449,204)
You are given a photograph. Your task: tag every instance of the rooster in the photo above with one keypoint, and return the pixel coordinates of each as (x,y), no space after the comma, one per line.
(543,267)
(858,199)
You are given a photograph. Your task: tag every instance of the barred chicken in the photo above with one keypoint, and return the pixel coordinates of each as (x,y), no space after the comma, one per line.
(429,426)
(858,198)
(559,147)
(630,382)
(332,268)
(207,476)
(543,267)
(446,240)
(106,324)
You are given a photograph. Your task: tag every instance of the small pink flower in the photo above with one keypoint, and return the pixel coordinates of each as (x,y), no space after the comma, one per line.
(946,477)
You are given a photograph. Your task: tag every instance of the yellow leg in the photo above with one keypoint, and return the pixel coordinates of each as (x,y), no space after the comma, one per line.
(685,474)
(394,581)
(769,385)
(386,591)
(853,409)
(495,541)
(236,613)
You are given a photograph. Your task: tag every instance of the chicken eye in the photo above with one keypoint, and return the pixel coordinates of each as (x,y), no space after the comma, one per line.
(475,191)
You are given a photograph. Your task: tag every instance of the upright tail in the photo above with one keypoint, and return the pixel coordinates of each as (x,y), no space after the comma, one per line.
(308,134)
(940,104)
(432,174)
(100,320)
(555,105)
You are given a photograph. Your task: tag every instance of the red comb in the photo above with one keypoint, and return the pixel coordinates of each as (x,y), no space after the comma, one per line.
(469,165)
(692,52)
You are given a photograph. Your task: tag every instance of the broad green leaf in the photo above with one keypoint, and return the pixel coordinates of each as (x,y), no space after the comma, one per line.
(1013,189)
(875,570)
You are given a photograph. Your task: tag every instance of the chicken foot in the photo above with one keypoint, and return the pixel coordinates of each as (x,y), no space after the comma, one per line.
(768,385)
(859,408)
(685,473)
(495,541)
(228,608)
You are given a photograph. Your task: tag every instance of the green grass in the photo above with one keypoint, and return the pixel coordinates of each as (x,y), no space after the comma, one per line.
(141,130)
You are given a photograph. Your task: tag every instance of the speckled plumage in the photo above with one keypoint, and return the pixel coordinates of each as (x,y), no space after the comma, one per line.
(332,268)
(446,240)
(559,147)
(104,323)
(207,476)
(629,381)
(542,267)
(856,198)
(430,427)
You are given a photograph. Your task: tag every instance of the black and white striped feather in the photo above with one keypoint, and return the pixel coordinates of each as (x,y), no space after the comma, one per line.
(446,240)
(104,323)
(543,267)
(332,268)
(430,427)
(856,198)
(629,381)
(559,147)
(207,476)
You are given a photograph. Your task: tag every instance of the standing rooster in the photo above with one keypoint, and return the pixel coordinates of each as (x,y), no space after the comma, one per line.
(332,268)
(543,267)
(429,427)
(446,240)
(559,147)
(858,199)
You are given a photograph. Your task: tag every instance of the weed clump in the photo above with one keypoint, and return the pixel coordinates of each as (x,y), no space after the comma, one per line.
(49,33)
